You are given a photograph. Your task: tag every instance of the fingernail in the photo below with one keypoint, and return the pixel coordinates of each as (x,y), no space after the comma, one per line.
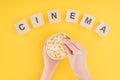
(67,38)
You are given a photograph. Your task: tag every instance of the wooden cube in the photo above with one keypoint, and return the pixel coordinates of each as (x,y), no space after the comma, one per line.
(37,20)
(72,16)
(22,27)
(54,16)
(87,21)
(102,29)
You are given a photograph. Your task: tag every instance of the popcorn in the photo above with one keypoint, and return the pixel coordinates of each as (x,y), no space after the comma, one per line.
(54,46)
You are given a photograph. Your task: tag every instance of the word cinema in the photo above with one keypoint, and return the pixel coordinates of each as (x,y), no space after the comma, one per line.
(54,16)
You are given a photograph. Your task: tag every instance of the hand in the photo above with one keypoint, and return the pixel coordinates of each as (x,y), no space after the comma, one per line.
(77,57)
(49,66)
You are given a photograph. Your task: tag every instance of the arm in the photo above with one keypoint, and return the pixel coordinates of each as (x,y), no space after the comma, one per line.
(77,57)
(49,66)
(84,74)
(47,74)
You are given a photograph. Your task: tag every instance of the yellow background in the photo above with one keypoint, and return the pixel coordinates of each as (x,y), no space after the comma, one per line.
(21,58)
